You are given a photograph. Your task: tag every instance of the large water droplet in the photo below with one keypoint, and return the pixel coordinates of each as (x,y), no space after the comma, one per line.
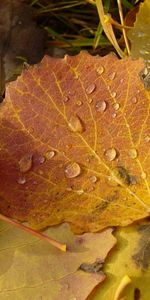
(112,75)
(110,154)
(21,180)
(100,70)
(101,106)
(143,175)
(91,88)
(25,163)
(72,170)
(49,154)
(93,179)
(133,153)
(116,106)
(75,124)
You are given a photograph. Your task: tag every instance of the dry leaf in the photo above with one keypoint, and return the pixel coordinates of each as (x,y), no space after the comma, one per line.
(85,122)
(33,269)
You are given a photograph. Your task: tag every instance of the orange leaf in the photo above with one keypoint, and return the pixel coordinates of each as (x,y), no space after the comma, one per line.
(84,121)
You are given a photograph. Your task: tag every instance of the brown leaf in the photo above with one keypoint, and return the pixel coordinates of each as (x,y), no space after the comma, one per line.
(92,178)
(34,269)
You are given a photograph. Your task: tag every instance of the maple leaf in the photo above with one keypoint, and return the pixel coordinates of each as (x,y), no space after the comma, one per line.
(34,268)
(74,137)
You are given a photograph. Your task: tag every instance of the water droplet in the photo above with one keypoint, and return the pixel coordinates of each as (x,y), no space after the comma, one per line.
(133,153)
(93,179)
(75,124)
(25,163)
(147,139)
(100,70)
(72,170)
(40,172)
(134,100)
(116,106)
(21,180)
(101,106)
(91,88)
(41,159)
(79,192)
(112,75)
(121,80)
(90,100)
(66,99)
(143,175)
(113,94)
(79,103)
(49,154)
(114,115)
(110,154)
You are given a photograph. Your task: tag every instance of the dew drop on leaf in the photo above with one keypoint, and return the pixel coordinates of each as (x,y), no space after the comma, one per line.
(49,154)
(134,100)
(114,115)
(90,100)
(75,124)
(93,179)
(21,180)
(25,163)
(72,170)
(116,106)
(112,75)
(143,175)
(91,88)
(41,159)
(101,106)
(79,102)
(113,94)
(133,153)
(147,139)
(110,154)
(100,70)
(66,99)
(80,192)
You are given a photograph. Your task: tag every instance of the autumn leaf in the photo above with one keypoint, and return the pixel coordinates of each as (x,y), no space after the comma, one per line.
(132,258)
(74,137)
(34,269)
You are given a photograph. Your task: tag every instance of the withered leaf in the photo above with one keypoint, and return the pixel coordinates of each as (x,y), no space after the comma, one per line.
(91,178)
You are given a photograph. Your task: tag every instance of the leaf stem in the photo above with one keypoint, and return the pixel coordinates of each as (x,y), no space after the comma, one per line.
(41,236)
(123,28)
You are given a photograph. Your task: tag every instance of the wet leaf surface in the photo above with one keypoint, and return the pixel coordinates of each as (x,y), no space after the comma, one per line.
(87,163)
(34,269)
